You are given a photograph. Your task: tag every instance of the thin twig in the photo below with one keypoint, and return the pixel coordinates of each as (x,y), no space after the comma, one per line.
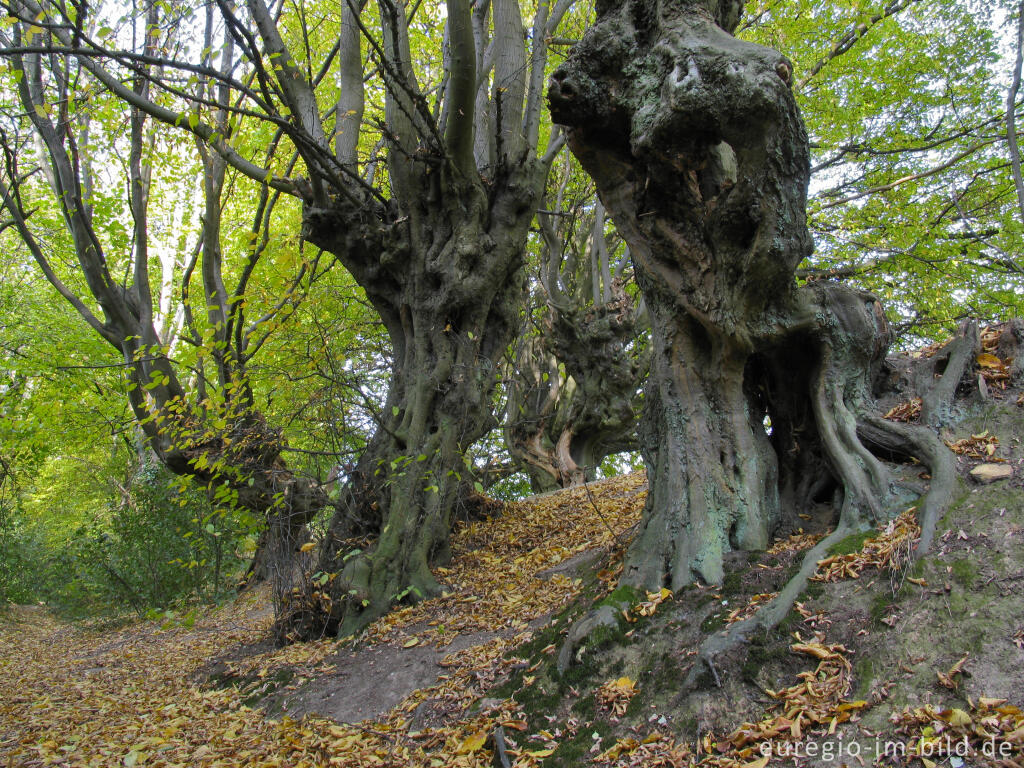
(111,365)
(586,487)
(499,743)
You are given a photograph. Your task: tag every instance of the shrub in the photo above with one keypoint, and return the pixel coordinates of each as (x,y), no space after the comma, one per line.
(159,544)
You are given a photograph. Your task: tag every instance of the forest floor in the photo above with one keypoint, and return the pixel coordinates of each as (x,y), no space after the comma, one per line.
(925,662)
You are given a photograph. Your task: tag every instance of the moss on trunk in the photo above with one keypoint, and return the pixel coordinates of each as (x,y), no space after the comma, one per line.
(757,386)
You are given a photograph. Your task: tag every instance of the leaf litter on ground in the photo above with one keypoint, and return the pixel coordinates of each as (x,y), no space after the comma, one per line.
(72,696)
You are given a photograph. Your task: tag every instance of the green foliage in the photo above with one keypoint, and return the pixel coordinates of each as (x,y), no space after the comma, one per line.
(910,195)
(155,547)
(14,587)
(515,486)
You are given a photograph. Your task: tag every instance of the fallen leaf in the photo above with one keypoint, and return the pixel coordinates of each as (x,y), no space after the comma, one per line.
(473,743)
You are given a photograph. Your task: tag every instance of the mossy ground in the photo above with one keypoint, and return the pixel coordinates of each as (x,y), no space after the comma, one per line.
(654,652)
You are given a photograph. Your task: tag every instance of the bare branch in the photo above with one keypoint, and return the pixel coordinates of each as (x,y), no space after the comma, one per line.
(461,86)
(349,111)
(509,90)
(904,179)
(1011,113)
(852,35)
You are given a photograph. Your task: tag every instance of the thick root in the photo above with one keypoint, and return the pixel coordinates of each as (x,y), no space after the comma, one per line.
(894,438)
(959,355)
(924,445)
(604,616)
(366,589)
(766,618)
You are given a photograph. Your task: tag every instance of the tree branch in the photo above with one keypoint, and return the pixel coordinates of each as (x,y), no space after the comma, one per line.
(461,86)
(1011,113)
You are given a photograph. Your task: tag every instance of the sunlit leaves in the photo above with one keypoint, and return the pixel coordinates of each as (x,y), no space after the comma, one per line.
(903,102)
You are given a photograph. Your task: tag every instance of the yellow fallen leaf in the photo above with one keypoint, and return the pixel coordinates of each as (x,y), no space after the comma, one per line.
(759,763)
(812,649)
(958,717)
(473,743)
(985,360)
(847,705)
(411,642)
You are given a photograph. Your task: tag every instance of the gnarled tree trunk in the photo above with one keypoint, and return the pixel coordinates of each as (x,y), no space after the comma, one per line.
(573,399)
(699,153)
(449,292)
(574,394)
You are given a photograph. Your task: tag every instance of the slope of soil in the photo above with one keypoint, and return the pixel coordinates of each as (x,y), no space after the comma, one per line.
(881,655)
(883,664)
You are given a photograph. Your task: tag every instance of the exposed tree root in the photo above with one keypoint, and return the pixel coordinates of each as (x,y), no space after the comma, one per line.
(895,438)
(712,204)
(500,749)
(767,617)
(603,616)
(937,396)
(938,376)
(851,438)
(922,444)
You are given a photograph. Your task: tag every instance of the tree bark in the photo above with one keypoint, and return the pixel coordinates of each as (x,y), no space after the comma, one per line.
(574,395)
(703,165)
(713,478)
(757,387)
(449,287)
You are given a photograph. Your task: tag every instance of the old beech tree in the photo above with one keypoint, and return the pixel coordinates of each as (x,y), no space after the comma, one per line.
(700,155)
(573,394)
(420,174)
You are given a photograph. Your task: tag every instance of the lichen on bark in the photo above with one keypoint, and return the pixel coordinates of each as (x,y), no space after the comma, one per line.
(757,385)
